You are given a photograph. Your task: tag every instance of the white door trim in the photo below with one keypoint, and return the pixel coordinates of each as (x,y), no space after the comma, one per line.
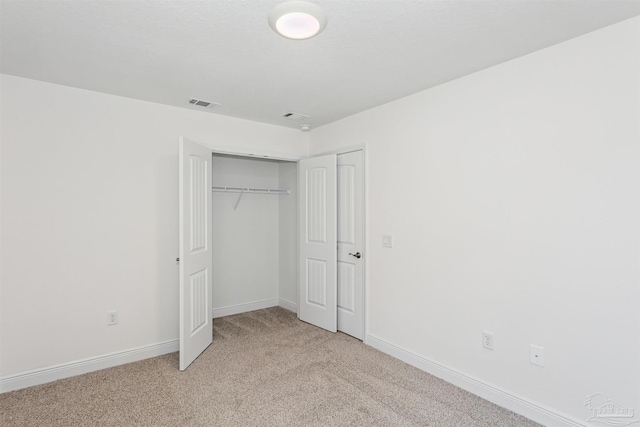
(251,152)
(343,150)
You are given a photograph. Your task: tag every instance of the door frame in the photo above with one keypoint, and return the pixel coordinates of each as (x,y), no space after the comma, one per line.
(251,152)
(275,155)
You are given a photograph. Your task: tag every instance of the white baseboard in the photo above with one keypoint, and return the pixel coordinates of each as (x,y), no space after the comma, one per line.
(288,305)
(78,367)
(245,307)
(517,404)
(83,366)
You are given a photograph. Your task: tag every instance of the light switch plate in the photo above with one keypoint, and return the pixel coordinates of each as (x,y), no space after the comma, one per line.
(387,241)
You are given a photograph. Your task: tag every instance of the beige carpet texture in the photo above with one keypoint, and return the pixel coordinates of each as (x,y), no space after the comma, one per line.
(264,368)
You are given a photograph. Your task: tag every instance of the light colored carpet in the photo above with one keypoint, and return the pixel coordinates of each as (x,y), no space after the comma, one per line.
(264,368)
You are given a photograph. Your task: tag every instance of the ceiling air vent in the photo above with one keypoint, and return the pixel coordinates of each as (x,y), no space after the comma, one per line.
(296,116)
(201,103)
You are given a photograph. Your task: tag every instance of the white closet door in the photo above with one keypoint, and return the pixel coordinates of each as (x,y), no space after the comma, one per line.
(196,257)
(350,244)
(318,242)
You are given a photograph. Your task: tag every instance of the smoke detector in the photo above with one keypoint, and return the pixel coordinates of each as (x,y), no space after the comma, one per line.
(201,103)
(305,128)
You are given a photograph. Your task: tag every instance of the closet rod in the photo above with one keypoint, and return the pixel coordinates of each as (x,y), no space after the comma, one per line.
(251,190)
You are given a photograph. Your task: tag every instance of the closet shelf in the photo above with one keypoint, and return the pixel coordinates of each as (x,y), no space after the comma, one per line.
(251,190)
(245,190)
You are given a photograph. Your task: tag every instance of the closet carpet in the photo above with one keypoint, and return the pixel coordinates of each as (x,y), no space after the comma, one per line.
(264,368)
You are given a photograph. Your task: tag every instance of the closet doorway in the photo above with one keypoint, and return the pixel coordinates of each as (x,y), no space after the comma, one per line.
(255,221)
(281,231)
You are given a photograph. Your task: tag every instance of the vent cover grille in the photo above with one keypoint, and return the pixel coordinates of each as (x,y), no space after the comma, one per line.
(295,116)
(201,103)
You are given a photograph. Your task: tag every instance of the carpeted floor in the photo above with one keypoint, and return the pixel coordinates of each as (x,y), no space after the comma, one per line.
(264,368)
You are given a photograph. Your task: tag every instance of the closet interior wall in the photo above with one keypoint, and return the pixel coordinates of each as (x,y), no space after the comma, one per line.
(255,244)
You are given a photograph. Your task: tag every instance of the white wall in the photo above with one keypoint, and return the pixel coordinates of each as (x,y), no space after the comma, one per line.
(513,199)
(246,239)
(90,218)
(512,195)
(288,226)
(254,246)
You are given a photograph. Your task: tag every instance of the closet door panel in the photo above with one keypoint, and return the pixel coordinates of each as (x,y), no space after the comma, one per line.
(351,244)
(317,282)
(318,242)
(195,251)
(346,288)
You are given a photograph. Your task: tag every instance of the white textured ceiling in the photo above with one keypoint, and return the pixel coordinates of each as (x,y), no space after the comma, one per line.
(371,52)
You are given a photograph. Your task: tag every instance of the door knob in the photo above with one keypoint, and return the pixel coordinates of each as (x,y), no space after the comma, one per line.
(357,255)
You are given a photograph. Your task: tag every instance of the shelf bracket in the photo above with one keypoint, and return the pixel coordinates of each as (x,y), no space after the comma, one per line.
(238,201)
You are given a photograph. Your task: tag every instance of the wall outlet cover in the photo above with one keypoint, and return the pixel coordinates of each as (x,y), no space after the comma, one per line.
(487,340)
(112,318)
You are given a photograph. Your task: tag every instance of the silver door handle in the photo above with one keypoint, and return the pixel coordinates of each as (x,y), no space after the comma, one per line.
(357,255)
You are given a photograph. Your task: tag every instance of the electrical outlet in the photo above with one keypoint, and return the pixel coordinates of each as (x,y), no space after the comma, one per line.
(487,340)
(112,318)
(537,355)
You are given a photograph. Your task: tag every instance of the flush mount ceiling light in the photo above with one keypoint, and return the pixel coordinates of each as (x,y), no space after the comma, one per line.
(297,20)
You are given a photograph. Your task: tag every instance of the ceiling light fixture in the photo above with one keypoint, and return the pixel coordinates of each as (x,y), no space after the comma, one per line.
(297,20)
